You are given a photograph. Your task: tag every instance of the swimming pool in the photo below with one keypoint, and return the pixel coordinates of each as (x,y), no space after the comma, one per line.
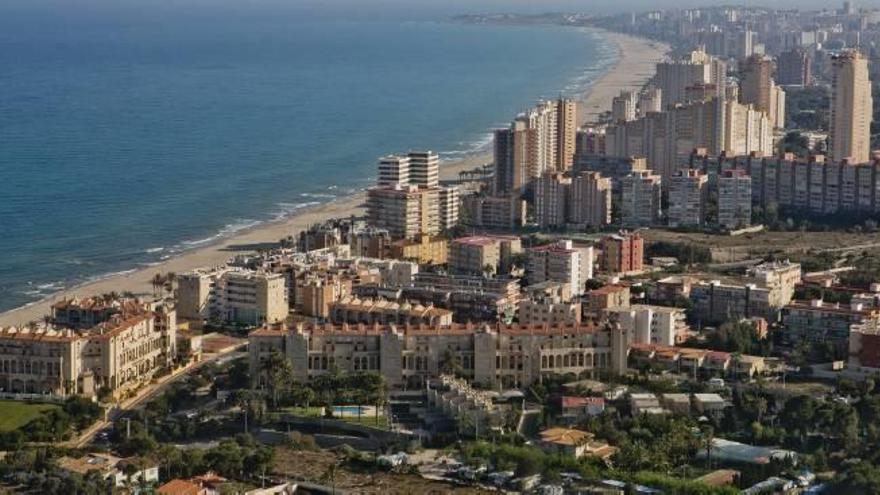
(349,410)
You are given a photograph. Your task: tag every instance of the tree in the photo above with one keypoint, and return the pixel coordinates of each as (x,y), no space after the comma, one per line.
(277,372)
(157,282)
(450,363)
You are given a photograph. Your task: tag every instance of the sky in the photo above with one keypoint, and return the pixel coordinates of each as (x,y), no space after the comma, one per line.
(415,9)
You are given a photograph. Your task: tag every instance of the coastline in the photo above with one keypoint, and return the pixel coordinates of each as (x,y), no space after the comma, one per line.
(634,66)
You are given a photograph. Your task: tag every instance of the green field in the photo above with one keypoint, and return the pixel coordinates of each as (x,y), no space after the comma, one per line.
(15,414)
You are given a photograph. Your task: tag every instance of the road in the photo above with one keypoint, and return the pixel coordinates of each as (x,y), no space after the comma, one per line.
(149,392)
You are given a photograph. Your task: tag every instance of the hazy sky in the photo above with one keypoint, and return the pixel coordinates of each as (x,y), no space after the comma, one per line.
(396,8)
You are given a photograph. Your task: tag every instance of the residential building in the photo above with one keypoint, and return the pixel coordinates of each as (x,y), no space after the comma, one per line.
(688,195)
(674,76)
(623,107)
(120,352)
(404,211)
(393,171)
(387,312)
(495,212)
(233,295)
(607,297)
(623,253)
(650,101)
(492,356)
(424,250)
(734,199)
(851,108)
(551,200)
(590,200)
(424,169)
(560,262)
(448,207)
(111,468)
(794,67)
(478,255)
(549,303)
(574,443)
(640,199)
(715,302)
(817,322)
(651,324)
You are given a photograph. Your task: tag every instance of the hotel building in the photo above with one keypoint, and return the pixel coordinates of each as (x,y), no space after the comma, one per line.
(492,356)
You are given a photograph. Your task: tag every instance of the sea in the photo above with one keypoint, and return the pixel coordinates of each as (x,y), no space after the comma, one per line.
(128,135)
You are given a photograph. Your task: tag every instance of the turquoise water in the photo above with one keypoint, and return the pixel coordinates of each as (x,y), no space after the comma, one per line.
(128,136)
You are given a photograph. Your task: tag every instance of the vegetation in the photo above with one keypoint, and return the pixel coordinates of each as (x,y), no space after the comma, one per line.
(685,253)
(806,108)
(15,414)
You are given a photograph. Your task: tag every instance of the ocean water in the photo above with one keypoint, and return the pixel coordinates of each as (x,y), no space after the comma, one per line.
(125,137)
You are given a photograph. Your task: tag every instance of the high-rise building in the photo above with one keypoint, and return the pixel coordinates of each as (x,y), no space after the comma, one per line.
(650,100)
(560,262)
(623,107)
(566,132)
(405,211)
(665,138)
(424,168)
(640,198)
(697,68)
(543,139)
(851,108)
(688,193)
(447,209)
(393,170)
(511,157)
(590,200)
(758,89)
(755,82)
(734,199)
(794,68)
(551,200)
(623,253)
(232,295)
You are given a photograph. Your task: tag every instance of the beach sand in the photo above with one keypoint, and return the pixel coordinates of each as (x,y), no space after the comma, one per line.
(634,67)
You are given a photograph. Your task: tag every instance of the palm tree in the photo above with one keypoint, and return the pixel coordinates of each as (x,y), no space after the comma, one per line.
(170,278)
(157,281)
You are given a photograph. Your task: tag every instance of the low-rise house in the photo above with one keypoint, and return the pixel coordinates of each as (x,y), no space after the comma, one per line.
(709,403)
(110,468)
(677,403)
(729,451)
(644,403)
(574,443)
(578,408)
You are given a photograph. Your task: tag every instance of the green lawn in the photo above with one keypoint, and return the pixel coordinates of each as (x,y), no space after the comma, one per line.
(367,420)
(306,412)
(15,414)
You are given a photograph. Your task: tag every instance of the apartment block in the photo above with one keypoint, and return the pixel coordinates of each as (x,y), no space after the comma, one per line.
(851,108)
(476,255)
(560,262)
(387,312)
(492,356)
(688,195)
(122,351)
(623,253)
(646,324)
(232,295)
(734,199)
(640,199)
(816,322)
(590,200)
(494,212)
(548,303)
(404,211)
(551,200)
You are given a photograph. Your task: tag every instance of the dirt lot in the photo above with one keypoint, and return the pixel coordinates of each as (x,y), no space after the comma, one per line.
(727,249)
(313,466)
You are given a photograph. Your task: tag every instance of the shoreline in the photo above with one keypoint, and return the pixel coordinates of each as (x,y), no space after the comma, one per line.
(634,66)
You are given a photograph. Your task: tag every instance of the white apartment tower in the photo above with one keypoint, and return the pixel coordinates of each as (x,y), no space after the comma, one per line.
(393,170)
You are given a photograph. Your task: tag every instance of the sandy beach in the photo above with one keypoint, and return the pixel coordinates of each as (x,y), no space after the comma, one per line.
(634,67)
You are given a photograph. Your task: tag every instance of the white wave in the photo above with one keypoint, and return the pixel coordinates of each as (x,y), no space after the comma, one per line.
(154,250)
(317,195)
